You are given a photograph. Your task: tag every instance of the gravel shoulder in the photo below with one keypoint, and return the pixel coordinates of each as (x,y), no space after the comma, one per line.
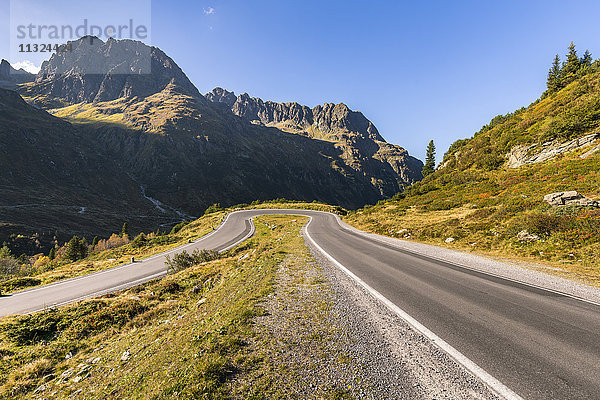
(322,336)
(387,347)
(528,273)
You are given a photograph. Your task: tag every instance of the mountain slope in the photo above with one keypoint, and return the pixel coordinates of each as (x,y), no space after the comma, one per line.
(181,152)
(488,193)
(363,148)
(56,177)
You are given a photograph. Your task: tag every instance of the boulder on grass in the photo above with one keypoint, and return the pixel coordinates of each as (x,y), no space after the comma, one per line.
(570,198)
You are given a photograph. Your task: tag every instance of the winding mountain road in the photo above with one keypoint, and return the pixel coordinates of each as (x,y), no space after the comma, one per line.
(523,341)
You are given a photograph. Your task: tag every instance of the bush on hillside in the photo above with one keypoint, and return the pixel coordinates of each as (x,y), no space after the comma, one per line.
(184,260)
(213,209)
(113,241)
(179,227)
(139,241)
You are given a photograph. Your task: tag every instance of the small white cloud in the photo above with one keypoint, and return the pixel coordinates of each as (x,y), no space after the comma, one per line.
(27,66)
(209,11)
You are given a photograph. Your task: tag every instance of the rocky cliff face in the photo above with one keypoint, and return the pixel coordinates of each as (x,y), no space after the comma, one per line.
(96,71)
(362,147)
(537,153)
(321,121)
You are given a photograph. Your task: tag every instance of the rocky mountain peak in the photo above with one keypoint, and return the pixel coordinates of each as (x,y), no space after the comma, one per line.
(328,119)
(361,146)
(220,95)
(95,71)
(10,76)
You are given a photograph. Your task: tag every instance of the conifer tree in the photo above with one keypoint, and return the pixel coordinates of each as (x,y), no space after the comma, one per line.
(83,248)
(429,166)
(5,251)
(76,249)
(572,64)
(125,229)
(554,75)
(52,253)
(586,60)
(72,251)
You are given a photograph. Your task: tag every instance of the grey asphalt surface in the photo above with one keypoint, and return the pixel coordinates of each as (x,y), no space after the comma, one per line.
(540,344)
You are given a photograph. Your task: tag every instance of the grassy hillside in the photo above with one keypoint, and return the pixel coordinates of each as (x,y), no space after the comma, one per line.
(186,331)
(473,201)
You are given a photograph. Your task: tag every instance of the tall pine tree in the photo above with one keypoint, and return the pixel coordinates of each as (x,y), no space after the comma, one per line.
(572,64)
(125,229)
(429,166)
(586,60)
(554,75)
(76,249)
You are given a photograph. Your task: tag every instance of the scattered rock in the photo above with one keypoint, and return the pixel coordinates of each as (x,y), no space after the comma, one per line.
(68,356)
(401,231)
(126,355)
(197,289)
(525,236)
(202,301)
(535,153)
(40,388)
(590,152)
(82,368)
(449,240)
(570,198)
(67,373)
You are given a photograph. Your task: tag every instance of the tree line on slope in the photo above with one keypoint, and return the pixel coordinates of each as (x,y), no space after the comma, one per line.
(565,72)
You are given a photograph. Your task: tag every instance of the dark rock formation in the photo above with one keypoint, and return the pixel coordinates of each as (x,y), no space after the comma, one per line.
(363,148)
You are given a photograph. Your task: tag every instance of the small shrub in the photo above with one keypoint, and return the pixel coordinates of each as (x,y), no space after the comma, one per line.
(169,288)
(18,283)
(32,328)
(139,241)
(9,266)
(112,242)
(213,209)
(179,227)
(541,223)
(184,260)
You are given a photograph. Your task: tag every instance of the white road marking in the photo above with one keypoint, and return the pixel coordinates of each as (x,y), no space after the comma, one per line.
(373,237)
(494,384)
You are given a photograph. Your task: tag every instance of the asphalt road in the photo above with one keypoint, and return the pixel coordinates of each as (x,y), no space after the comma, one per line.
(540,344)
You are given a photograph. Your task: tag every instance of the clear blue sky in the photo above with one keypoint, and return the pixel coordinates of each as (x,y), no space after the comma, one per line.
(419,70)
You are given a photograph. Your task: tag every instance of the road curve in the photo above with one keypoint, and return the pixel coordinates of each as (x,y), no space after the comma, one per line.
(539,344)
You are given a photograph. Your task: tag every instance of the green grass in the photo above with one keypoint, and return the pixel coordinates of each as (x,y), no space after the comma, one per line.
(186,334)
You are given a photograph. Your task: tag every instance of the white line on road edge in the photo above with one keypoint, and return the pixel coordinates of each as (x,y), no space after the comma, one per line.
(102,292)
(249,235)
(118,267)
(382,239)
(496,386)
